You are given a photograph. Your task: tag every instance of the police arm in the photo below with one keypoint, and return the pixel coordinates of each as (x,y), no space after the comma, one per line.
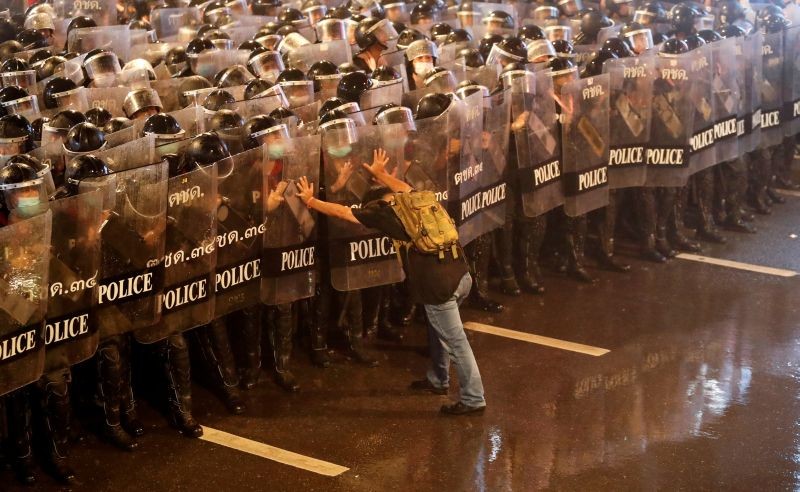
(306,193)
(378,169)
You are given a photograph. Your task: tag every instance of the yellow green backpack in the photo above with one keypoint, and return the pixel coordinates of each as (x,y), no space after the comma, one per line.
(426,222)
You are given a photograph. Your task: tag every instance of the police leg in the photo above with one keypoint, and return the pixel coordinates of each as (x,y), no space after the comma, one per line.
(252,327)
(784,175)
(707,230)
(671,209)
(351,322)
(387,330)
(478,254)
(174,355)
(53,397)
(644,200)
(530,232)
(402,308)
(576,244)
(281,331)
(504,238)
(733,174)
(130,420)
(216,349)
(777,155)
(758,160)
(18,414)
(320,321)
(371,301)
(607,227)
(110,388)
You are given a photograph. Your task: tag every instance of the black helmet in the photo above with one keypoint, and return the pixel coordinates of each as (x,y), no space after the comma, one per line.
(11,93)
(767,10)
(440,31)
(162,124)
(372,31)
(331,116)
(98,116)
(386,75)
(48,67)
(256,87)
(348,67)
(265,7)
(8,29)
(530,32)
(709,35)
(330,104)
(175,60)
(55,86)
(66,119)
(14,174)
(592,21)
(563,48)
(673,46)
(84,137)
(730,12)
(198,45)
(391,113)
(486,43)
(31,39)
(651,13)
(249,45)
(218,98)
(472,57)
(408,36)
(226,119)
(281,113)
(619,47)
(11,47)
(37,125)
(560,65)
(353,86)
(458,36)
(14,65)
(291,75)
(291,15)
(85,167)
(500,18)
(15,126)
(731,31)
(203,150)
(509,50)
(682,17)
(772,24)
(117,124)
(81,22)
(255,127)
(39,56)
(322,69)
(432,105)
(233,76)
(422,12)
(694,41)
(189,84)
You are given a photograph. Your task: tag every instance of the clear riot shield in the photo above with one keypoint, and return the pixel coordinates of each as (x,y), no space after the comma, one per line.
(190,256)
(727,96)
(672,123)
(104,12)
(537,142)
(791,84)
(493,166)
(130,155)
(435,153)
(211,62)
(359,257)
(585,146)
(132,238)
(289,272)
(772,90)
(754,61)
(253,107)
(303,57)
(383,94)
(240,228)
(109,98)
(168,22)
(23,300)
(71,330)
(168,92)
(631,83)
(116,39)
(702,152)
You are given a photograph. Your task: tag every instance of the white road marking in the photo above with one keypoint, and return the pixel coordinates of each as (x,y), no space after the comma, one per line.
(271,453)
(537,339)
(737,265)
(789,192)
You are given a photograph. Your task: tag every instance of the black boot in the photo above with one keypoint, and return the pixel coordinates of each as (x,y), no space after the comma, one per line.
(531,235)
(645,203)
(706,229)
(18,414)
(321,306)
(177,369)
(350,322)
(251,333)
(671,207)
(218,355)
(129,417)
(607,229)
(110,371)
(478,254)
(55,404)
(576,243)
(759,170)
(280,333)
(734,176)
(504,238)
(386,330)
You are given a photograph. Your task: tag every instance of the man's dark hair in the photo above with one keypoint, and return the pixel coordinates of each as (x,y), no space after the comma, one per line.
(376,193)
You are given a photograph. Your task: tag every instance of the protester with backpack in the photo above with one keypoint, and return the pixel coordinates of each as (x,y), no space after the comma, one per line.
(427,243)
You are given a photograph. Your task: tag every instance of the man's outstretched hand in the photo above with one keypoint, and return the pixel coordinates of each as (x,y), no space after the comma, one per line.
(305,190)
(379,161)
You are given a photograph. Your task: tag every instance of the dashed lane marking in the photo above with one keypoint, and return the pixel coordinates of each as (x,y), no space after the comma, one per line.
(738,265)
(271,452)
(537,339)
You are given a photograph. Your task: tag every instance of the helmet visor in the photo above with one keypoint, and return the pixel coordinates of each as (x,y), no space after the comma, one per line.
(298,93)
(25,79)
(267,65)
(331,30)
(384,32)
(26,199)
(554,33)
(640,40)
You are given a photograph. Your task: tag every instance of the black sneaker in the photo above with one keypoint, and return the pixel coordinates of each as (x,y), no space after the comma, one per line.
(425,385)
(461,409)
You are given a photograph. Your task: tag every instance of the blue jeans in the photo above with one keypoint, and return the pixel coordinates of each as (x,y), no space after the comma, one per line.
(449,342)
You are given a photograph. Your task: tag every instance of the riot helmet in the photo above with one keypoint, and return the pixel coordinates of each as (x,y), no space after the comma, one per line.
(141,103)
(352,86)
(98,116)
(432,105)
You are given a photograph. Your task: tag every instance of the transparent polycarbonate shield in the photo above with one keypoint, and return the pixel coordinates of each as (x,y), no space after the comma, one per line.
(727,96)
(702,154)
(631,83)
(23,300)
(240,229)
(585,144)
(130,155)
(672,122)
(772,90)
(754,60)
(167,22)
(190,255)
(302,57)
(289,271)
(116,39)
(71,330)
(104,12)
(359,257)
(211,62)
(537,144)
(791,84)
(391,93)
(109,98)
(132,248)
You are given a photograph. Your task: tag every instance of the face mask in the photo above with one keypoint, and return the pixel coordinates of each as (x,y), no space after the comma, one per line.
(27,201)
(343,151)
(422,68)
(276,151)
